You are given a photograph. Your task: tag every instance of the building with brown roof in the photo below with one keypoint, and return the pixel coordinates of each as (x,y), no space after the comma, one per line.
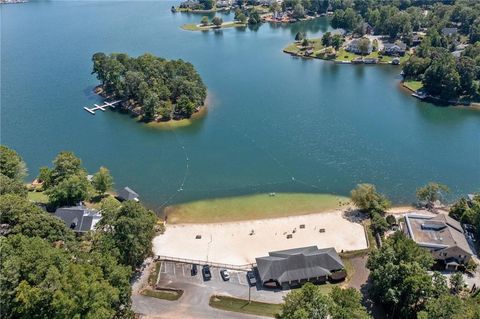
(442,236)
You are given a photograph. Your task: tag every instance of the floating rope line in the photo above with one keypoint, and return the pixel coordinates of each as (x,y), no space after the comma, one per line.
(185,172)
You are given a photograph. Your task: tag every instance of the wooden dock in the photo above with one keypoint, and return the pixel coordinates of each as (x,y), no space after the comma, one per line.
(102,107)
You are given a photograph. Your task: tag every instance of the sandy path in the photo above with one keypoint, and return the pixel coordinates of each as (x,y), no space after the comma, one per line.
(231,243)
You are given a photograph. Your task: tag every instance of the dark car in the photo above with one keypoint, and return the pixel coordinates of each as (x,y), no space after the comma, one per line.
(207,275)
(225,275)
(251,278)
(194,270)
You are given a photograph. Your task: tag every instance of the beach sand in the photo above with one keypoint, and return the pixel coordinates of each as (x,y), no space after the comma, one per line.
(232,242)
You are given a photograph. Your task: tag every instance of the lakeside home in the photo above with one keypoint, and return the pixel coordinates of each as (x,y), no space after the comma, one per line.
(442,236)
(79,218)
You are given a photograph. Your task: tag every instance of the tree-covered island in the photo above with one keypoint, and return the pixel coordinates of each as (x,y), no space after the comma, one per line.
(153,88)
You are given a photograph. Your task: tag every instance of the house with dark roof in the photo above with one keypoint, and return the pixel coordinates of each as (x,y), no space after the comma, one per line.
(395,49)
(79,218)
(293,267)
(449,32)
(127,194)
(442,236)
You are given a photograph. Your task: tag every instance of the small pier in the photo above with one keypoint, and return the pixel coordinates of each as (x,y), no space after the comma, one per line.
(102,107)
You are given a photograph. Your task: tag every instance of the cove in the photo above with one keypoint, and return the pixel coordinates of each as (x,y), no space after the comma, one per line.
(275,123)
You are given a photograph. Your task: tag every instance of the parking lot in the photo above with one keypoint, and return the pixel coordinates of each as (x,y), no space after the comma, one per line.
(178,275)
(177,271)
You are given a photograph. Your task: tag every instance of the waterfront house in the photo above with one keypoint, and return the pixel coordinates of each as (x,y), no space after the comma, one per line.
(293,267)
(354,47)
(127,194)
(442,236)
(224,3)
(395,49)
(79,218)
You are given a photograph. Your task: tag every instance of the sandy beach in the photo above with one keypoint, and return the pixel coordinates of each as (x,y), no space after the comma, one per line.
(239,243)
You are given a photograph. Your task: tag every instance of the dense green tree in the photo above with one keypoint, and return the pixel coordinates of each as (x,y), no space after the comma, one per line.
(69,191)
(131,228)
(457,283)
(347,19)
(65,165)
(204,20)
(206,4)
(298,11)
(467,69)
(337,41)
(431,192)
(254,17)
(23,217)
(364,45)
(299,36)
(415,67)
(391,220)
(12,186)
(11,164)
(39,281)
(327,39)
(217,21)
(149,84)
(399,277)
(441,77)
(346,304)
(102,181)
(379,223)
(184,106)
(306,303)
(366,197)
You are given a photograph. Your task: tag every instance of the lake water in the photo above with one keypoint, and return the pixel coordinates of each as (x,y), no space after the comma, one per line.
(275,123)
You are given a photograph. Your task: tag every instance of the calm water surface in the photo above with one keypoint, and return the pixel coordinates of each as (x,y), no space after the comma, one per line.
(275,123)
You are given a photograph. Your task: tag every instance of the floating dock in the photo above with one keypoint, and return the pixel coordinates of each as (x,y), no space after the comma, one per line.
(102,107)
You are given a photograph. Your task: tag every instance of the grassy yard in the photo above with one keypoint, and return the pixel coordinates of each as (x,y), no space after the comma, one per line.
(296,47)
(38,197)
(251,207)
(413,85)
(170,295)
(195,27)
(241,305)
(152,278)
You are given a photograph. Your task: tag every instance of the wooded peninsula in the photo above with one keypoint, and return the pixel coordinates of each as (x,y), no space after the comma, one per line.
(150,87)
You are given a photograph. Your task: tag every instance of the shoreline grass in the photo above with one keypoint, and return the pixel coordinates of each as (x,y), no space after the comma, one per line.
(242,306)
(225,25)
(170,295)
(413,85)
(251,207)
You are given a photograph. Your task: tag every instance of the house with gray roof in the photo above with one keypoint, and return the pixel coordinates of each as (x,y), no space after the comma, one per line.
(79,218)
(442,236)
(449,32)
(127,194)
(293,267)
(395,49)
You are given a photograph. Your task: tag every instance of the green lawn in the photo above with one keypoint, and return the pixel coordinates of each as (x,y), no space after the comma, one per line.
(152,278)
(413,85)
(38,197)
(242,305)
(170,295)
(296,47)
(251,207)
(195,27)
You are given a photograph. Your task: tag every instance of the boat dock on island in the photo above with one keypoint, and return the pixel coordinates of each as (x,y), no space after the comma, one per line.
(102,107)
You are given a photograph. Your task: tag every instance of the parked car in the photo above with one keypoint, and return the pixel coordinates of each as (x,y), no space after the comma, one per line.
(251,278)
(207,275)
(225,275)
(194,270)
